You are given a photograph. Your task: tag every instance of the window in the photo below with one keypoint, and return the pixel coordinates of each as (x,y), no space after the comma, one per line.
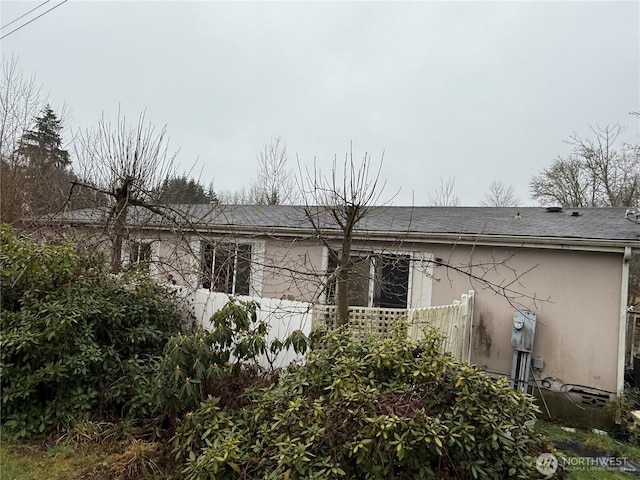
(391,281)
(140,253)
(226,267)
(375,280)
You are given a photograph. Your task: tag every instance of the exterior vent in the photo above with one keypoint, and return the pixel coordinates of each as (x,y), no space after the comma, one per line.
(554,209)
(575,214)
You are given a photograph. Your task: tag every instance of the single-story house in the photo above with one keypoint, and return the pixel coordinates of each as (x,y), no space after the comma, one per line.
(569,266)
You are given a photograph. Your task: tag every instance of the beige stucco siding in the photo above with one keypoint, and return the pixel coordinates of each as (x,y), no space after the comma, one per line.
(293,269)
(176,261)
(297,270)
(575,294)
(577,327)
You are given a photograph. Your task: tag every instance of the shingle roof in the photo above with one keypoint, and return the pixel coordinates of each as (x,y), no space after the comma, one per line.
(577,223)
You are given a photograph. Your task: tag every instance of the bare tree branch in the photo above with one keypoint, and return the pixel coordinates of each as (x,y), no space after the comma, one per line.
(127,163)
(20,102)
(595,174)
(346,197)
(500,195)
(444,195)
(274,183)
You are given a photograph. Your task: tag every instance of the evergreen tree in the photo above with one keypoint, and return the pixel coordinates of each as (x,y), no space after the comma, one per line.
(211,193)
(44,165)
(42,145)
(184,190)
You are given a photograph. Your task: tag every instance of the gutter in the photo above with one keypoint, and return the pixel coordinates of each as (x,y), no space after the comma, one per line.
(622,327)
(474,239)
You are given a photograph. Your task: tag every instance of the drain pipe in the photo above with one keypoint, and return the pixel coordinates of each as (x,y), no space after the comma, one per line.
(622,328)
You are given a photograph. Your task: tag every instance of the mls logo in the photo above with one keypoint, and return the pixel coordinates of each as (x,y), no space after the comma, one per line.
(547,464)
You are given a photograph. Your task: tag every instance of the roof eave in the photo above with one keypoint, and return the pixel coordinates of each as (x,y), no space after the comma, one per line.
(556,243)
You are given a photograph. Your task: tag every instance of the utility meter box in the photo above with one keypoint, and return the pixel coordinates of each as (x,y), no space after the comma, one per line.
(524,329)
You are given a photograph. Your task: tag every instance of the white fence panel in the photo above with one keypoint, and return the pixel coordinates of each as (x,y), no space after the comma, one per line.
(453,321)
(283,316)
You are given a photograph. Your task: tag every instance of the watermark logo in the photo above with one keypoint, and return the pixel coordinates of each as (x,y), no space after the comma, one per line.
(547,464)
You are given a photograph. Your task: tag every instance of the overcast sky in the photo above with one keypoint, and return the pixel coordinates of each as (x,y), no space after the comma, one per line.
(479,91)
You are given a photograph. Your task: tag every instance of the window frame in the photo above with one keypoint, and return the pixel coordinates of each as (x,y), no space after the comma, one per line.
(140,253)
(375,284)
(240,281)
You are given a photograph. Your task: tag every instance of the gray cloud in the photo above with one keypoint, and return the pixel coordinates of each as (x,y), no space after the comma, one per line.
(475,90)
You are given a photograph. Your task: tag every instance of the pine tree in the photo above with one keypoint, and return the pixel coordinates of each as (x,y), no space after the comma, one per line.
(44,165)
(185,190)
(42,146)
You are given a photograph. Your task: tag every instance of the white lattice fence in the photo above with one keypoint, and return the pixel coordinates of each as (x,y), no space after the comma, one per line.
(453,321)
(363,321)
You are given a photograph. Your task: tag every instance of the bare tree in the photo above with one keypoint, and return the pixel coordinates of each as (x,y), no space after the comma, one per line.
(564,183)
(595,174)
(500,195)
(35,170)
(343,199)
(444,195)
(127,163)
(235,197)
(20,102)
(274,183)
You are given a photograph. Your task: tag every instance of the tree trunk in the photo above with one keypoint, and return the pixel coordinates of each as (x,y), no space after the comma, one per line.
(342,290)
(120,227)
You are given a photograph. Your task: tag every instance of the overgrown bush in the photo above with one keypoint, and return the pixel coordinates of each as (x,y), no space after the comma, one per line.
(75,338)
(376,409)
(221,362)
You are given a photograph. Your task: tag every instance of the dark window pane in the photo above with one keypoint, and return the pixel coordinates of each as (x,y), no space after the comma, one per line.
(144,253)
(134,252)
(207,264)
(226,267)
(330,289)
(243,270)
(223,268)
(392,281)
(359,279)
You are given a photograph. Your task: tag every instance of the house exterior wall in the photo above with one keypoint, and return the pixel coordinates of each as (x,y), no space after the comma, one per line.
(578,295)
(577,330)
(293,270)
(570,321)
(174,261)
(296,270)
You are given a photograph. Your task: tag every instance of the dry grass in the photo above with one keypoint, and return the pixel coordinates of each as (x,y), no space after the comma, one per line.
(138,460)
(88,451)
(100,451)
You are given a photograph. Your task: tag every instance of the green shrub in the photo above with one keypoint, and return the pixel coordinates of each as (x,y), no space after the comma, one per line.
(222,362)
(74,338)
(374,409)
